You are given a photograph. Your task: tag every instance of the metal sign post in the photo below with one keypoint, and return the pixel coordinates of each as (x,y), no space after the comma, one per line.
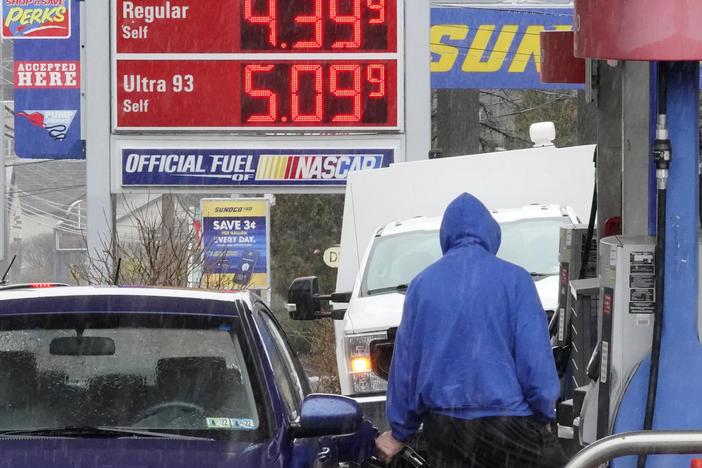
(4,237)
(97,103)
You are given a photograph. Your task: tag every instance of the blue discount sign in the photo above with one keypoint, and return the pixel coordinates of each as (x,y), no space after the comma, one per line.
(235,243)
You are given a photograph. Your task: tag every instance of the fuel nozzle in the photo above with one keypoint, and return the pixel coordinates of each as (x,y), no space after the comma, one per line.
(662,152)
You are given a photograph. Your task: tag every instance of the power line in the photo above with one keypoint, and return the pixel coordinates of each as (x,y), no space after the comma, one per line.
(43,161)
(50,190)
(63,211)
(48,221)
(524,111)
(527,11)
(46,214)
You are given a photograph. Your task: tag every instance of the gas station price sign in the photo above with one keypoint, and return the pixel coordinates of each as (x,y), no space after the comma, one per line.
(235,26)
(249,65)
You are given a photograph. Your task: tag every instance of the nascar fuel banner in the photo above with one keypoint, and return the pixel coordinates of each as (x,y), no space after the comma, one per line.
(235,243)
(247,167)
(491,47)
(46,77)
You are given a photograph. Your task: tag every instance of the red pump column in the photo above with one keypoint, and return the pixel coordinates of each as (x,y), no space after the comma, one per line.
(653,30)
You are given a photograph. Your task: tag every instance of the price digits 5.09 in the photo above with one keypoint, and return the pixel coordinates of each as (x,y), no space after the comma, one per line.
(335,25)
(337,94)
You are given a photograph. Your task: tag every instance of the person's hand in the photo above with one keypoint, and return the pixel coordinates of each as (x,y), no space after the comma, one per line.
(387,446)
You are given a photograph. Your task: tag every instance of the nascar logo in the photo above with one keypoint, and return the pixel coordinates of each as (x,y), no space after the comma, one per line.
(317,167)
(220,166)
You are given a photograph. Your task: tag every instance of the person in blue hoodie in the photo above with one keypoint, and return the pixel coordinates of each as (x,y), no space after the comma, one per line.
(472,358)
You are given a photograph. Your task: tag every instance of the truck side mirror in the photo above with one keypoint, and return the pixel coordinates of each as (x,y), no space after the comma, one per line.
(345,297)
(303,301)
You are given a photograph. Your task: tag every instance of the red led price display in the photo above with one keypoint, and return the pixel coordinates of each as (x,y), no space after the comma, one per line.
(319,94)
(312,65)
(318,25)
(235,26)
(277,93)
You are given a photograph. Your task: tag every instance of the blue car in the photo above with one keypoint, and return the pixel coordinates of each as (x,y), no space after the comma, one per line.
(141,377)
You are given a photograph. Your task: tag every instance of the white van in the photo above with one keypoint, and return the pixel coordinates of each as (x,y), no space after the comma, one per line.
(396,253)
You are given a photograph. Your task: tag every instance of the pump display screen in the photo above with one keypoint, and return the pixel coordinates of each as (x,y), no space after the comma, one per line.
(256,64)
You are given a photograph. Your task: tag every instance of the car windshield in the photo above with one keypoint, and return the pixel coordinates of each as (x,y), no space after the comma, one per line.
(174,374)
(395,259)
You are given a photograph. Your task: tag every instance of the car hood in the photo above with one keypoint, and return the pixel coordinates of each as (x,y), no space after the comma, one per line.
(383,311)
(373,313)
(132,453)
(547,288)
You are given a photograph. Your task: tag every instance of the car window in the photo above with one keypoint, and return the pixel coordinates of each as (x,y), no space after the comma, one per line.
(166,373)
(285,369)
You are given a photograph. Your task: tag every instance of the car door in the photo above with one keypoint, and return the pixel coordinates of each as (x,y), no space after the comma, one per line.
(293,386)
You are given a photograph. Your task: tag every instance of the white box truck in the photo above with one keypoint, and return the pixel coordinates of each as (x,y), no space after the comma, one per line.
(390,233)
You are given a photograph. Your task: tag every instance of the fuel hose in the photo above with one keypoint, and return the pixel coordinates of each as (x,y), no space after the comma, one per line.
(662,154)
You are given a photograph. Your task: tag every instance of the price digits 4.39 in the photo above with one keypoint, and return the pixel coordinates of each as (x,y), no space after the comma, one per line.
(334,25)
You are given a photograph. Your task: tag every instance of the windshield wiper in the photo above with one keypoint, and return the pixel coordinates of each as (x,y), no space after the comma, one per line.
(401,288)
(97,433)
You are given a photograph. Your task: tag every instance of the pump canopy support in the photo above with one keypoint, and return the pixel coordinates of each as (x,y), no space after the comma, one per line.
(677,406)
(658,31)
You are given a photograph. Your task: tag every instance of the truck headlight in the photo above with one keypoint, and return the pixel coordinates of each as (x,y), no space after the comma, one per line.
(363,379)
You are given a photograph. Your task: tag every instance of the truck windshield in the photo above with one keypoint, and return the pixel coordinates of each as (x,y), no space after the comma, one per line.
(394,260)
(173,374)
(532,244)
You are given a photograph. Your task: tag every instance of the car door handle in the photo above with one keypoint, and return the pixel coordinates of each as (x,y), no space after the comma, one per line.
(323,454)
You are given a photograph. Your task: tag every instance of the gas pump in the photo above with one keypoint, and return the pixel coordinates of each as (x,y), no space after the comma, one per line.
(624,328)
(573,327)
(645,358)
(648,367)
(648,371)
(577,260)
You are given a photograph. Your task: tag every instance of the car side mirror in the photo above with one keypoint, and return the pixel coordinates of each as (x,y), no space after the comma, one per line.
(381,354)
(325,414)
(303,299)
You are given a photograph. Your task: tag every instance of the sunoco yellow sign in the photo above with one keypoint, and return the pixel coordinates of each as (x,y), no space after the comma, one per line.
(491,48)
